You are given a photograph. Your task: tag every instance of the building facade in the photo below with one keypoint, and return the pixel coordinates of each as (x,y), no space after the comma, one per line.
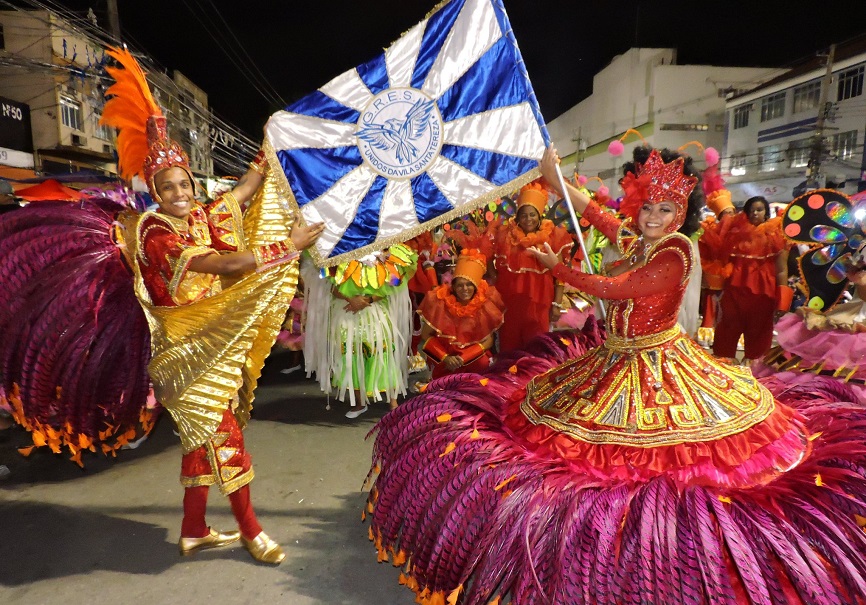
(58,71)
(772,131)
(646,90)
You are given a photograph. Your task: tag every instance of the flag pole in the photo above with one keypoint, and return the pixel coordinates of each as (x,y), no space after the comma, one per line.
(576,224)
(574,221)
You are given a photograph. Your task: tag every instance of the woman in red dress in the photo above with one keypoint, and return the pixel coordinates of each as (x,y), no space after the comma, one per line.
(641,471)
(527,286)
(758,284)
(460,319)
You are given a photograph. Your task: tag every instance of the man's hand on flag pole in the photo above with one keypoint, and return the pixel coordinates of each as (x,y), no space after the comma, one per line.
(304,237)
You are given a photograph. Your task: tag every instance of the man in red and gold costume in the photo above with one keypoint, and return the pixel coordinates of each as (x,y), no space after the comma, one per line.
(460,319)
(524,283)
(214,294)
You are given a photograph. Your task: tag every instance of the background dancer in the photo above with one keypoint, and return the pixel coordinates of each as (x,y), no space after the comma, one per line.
(757,287)
(460,319)
(359,325)
(526,285)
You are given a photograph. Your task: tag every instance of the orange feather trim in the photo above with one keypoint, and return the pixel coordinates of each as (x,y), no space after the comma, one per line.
(128,108)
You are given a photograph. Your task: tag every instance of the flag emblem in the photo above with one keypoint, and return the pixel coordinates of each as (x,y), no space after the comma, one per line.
(400,133)
(445,120)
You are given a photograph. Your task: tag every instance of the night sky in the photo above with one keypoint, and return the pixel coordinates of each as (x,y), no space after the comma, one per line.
(300,45)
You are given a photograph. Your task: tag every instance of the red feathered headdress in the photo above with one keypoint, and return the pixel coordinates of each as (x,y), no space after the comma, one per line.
(143,145)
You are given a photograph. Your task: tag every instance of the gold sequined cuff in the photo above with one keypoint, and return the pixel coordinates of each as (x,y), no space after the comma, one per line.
(259,162)
(274,254)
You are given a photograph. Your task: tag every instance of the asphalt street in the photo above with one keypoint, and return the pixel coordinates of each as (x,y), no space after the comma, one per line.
(108,534)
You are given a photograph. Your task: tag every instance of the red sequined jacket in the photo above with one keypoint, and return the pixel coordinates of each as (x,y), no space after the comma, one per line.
(167,245)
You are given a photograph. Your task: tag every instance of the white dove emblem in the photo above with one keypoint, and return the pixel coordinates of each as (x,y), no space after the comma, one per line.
(400,134)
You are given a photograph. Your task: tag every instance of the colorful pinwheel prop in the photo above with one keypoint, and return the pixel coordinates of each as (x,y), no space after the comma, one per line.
(824,220)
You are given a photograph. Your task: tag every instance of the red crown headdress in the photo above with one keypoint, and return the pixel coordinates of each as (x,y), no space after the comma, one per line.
(143,145)
(657,182)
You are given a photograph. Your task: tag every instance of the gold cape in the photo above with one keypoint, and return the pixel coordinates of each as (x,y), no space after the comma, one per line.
(208,352)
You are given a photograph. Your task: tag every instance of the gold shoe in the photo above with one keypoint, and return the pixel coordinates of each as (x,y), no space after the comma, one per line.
(214,539)
(263,549)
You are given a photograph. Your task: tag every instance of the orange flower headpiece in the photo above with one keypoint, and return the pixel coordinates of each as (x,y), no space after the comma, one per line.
(657,182)
(143,145)
(471,265)
(535,195)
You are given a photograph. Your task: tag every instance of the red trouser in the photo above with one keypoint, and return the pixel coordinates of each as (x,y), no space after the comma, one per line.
(746,313)
(223,461)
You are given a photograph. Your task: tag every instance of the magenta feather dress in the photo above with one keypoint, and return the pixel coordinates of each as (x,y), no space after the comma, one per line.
(524,485)
(75,343)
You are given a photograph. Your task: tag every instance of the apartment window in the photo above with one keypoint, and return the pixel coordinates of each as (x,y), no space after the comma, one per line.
(100,130)
(769,158)
(738,160)
(686,127)
(842,145)
(741,116)
(807,96)
(773,107)
(850,83)
(798,153)
(70,112)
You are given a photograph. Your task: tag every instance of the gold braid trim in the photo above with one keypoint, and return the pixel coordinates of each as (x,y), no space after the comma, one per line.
(621,344)
(603,397)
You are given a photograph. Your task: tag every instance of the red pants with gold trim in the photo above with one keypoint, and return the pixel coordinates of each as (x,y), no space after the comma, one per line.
(222,461)
(744,312)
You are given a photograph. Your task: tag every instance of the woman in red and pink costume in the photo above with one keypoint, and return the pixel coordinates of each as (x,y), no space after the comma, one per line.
(641,471)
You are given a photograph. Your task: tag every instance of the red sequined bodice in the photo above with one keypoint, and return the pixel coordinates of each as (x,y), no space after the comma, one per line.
(646,314)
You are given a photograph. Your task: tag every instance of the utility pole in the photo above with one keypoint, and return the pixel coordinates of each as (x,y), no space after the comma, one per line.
(113,20)
(814,176)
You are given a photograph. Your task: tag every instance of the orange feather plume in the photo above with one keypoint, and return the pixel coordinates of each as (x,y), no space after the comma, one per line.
(128,108)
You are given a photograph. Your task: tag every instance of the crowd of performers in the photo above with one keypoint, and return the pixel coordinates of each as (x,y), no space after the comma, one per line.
(609,459)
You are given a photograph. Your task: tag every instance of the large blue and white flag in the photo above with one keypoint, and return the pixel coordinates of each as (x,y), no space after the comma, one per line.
(445,120)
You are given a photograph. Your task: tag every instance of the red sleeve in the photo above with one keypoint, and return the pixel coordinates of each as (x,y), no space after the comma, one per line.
(164,264)
(605,222)
(665,271)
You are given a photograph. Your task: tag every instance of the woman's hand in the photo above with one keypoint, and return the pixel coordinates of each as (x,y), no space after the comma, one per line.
(546,257)
(547,165)
(452,362)
(357,303)
(304,237)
